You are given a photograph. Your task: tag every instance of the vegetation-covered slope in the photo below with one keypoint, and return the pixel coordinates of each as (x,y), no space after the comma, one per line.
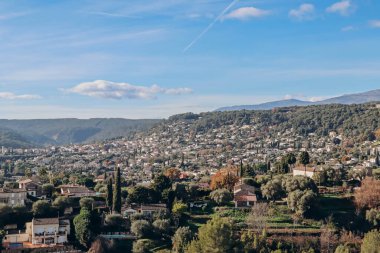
(23,133)
(9,138)
(356,121)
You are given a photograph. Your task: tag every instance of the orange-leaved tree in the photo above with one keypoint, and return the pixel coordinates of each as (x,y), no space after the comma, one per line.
(368,195)
(225,178)
(173,173)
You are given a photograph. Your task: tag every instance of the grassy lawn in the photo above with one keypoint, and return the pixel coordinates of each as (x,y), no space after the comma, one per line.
(197,218)
(237,215)
(195,221)
(339,207)
(282,219)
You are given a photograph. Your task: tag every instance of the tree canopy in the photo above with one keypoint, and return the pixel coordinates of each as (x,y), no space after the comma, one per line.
(215,237)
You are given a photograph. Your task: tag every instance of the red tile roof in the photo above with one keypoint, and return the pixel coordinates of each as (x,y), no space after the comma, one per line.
(245,198)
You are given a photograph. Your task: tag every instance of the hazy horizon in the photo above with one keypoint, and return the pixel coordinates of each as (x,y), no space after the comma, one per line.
(166,117)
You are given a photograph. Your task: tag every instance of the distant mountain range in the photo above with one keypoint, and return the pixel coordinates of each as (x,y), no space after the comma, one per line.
(359,98)
(31,133)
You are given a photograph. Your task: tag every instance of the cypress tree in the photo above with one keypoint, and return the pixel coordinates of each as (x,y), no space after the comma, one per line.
(305,158)
(117,193)
(183,160)
(109,196)
(241,169)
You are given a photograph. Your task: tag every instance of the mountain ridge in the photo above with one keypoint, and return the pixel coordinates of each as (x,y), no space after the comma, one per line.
(16,133)
(43,132)
(355,98)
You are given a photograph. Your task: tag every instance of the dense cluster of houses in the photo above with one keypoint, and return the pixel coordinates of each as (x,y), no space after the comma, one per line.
(196,155)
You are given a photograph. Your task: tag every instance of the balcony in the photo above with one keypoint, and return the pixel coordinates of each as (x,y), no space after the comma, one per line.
(4,200)
(45,234)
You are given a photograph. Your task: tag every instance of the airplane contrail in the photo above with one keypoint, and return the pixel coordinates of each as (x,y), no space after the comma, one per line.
(211,25)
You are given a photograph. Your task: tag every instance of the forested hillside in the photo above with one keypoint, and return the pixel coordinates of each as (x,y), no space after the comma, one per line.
(9,138)
(356,121)
(25,133)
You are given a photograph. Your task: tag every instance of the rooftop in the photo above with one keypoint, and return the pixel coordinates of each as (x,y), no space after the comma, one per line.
(45,221)
(8,190)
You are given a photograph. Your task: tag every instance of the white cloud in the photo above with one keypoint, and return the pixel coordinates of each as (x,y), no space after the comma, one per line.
(317,99)
(200,15)
(348,28)
(12,15)
(246,13)
(305,98)
(107,89)
(288,97)
(304,12)
(344,8)
(374,23)
(76,38)
(110,14)
(12,96)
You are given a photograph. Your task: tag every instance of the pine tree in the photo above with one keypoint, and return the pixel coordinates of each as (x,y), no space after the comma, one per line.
(109,196)
(117,192)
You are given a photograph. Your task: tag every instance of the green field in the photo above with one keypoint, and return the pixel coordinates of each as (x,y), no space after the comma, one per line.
(338,208)
(282,218)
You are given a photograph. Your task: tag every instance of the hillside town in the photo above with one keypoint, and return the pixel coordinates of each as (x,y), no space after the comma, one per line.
(190,126)
(173,180)
(195,154)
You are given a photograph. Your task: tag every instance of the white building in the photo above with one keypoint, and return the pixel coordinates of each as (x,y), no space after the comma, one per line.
(304,171)
(48,231)
(42,232)
(77,191)
(32,187)
(244,195)
(13,197)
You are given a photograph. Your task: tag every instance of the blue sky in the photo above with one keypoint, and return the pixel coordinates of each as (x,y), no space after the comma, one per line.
(155,58)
